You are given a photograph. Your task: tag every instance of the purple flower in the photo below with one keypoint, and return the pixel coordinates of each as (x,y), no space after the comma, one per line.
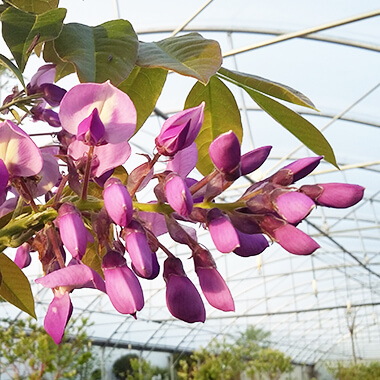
(23,258)
(222,232)
(91,129)
(337,195)
(250,244)
(180,130)
(184,161)
(292,205)
(182,297)
(52,93)
(75,276)
(117,202)
(45,74)
(252,160)
(289,237)
(122,285)
(58,315)
(213,286)
(18,152)
(225,154)
(74,234)
(300,168)
(115,109)
(138,248)
(178,195)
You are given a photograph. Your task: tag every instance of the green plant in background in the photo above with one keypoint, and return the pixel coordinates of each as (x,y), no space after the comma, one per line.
(28,352)
(355,371)
(248,354)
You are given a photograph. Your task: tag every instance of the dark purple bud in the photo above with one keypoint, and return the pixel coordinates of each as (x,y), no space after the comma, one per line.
(178,195)
(122,285)
(180,130)
(212,283)
(23,258)
(117,202)
(289,237)
(225,154)
(139,250)
(222,232)
(52,93)
(252,160)
(74,234)
(302,167)
(51,117)
(292,205)
(91,129)
(337,195)
(251,244)
(182,297)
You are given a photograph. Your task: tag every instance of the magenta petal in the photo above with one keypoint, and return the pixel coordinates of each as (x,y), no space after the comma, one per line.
(252,160)
(138,248)
(19,153)
(184,161)
(222,232)
(58,315)
(294,240)
(182,297)
(178,195)
(23,258)
(122,285)
(251,244)
(117,202)
(4,177)
(116,110)
(154,222)
(294,206)
(180,130)
(302,167)
(109,156)
(225,154)
(215,289)
(73,277)
(337,195)
(72,230)
(91,129)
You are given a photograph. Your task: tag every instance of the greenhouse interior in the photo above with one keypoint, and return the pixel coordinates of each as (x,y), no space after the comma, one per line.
(319,312)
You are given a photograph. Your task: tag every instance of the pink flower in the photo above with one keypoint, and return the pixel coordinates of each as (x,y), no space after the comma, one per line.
(180,130)
(122,285)
(178,195)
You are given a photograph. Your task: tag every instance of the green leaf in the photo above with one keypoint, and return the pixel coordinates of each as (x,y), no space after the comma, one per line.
(296,124)
(22,31)
(15,287)
(144,87)
(10,65)
(277,90)
(35,6)
(104,52)
(221,115)
(190,55)
(61,68)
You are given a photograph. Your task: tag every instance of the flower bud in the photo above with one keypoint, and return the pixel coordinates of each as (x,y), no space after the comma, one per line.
(23,258)
(72,230)
(122,285)
(138,248)
(302,167)
(222,231)
(225,154)
(178,195)
(180,130)
(337,195)
(182,297)
(117,202)
(212,283)
(52,93)
(252,160)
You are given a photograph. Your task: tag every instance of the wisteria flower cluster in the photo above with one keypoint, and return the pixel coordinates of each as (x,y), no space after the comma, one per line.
(90,209)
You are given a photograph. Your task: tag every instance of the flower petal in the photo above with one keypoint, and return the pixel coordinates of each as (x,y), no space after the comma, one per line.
(184,161)
(116,110)
(251,244)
